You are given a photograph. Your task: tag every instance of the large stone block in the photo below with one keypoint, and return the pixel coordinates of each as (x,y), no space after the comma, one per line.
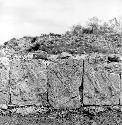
(4,80)
(64,80)
(101,87)
(28,81)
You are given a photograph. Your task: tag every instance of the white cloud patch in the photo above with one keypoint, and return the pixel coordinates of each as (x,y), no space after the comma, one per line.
(32,17)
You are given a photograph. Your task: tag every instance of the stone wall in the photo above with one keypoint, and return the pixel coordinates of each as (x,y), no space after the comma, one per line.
(56,82)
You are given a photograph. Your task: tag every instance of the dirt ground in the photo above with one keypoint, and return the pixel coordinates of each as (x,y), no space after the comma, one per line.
(102,118)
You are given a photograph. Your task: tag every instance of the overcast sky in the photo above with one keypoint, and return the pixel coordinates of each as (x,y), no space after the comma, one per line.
(20,18)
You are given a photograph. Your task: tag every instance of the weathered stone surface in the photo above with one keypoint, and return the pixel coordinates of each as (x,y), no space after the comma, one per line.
(101,86)
(29,110)
(95,58)
(57,80)
(64,80)
(28,81)
(4,77)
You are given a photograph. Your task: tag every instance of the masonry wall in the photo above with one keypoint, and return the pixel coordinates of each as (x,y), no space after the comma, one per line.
(56,82)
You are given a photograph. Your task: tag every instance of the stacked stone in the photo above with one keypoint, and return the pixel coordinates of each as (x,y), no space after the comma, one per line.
(41,80)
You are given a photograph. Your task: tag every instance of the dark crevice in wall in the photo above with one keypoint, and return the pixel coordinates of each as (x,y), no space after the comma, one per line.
(81,87)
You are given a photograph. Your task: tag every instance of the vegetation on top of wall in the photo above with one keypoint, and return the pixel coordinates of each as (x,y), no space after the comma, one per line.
(95,37)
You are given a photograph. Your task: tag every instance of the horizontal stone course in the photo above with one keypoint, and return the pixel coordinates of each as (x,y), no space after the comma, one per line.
(59,79)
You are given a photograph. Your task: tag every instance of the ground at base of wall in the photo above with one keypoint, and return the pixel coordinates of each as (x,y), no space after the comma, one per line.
(111,117)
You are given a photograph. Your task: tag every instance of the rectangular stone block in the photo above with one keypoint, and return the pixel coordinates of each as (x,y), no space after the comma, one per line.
(30,83)
(64,80)
(4,89)
(100,86)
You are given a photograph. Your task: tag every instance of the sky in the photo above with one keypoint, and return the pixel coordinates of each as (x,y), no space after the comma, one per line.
(20,18)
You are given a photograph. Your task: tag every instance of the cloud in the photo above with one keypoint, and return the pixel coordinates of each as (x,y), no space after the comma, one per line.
(33,17)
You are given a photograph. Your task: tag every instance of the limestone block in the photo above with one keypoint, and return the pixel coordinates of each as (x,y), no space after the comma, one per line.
(113,67)
(97,58)
(100,86)
(64,80)
(16,70)
(4,77)
(28,81)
